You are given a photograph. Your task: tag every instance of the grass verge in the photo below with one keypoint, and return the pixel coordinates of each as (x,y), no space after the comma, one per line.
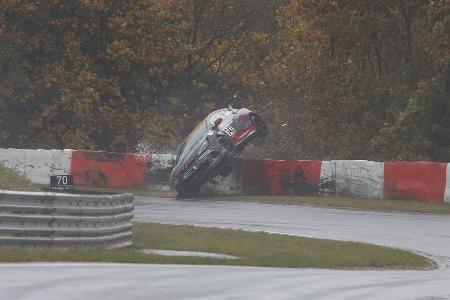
(254,249)
(13,180)
(412,206)
(144,192)
(344,202)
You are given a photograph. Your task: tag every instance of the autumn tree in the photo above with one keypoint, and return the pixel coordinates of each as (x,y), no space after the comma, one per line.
(347,79)
(358,79)
(83,73)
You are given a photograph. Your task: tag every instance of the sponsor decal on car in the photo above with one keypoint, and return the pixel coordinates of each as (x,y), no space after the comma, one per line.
(230,131)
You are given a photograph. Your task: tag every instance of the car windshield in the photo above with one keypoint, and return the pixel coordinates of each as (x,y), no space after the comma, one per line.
(198,133)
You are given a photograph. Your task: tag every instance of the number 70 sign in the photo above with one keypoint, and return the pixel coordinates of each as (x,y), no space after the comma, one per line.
(61,182)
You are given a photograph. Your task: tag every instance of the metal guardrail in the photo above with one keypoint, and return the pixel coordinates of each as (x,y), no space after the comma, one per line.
(58,220)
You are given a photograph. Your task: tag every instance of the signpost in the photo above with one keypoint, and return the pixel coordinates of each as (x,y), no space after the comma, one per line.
(61,182)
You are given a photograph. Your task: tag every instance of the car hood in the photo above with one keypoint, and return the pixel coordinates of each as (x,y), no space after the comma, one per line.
(191,155)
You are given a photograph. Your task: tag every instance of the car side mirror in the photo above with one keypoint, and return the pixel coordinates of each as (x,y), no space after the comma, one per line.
(217,122)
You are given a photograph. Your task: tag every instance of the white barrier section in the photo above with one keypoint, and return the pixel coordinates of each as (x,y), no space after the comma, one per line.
(359,178)
(327,182)
(37,165)
(218,185)
(41,164)
(447,185)
(13,159)
(162,161)
(229,185)
(160,167)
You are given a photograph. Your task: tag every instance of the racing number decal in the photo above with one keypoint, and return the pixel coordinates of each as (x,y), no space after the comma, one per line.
(230,130)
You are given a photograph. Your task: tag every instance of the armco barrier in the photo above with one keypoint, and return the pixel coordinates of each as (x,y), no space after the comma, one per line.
(58,220)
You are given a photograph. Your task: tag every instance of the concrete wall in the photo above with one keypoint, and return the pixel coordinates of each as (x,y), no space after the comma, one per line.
(359,178)
(281,177)
(37,165)
(89,168)
(230,185)
(426,181)
(107,169)
(415,180)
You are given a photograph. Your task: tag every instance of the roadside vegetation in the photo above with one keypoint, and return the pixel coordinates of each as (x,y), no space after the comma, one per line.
(13,180)
(253,248)
(142,191)
(390,205)
(356,79)
(411,206)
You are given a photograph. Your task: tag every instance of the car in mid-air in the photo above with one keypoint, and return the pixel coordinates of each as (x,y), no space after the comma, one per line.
(209,148)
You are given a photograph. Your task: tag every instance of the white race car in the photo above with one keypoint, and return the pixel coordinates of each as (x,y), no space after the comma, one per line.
(208,149)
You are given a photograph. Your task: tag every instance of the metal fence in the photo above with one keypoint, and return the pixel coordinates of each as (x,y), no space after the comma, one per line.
(58,220)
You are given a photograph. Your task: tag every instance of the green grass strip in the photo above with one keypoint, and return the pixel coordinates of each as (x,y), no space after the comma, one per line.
(394,205)
(13,180)
(411,206)
(253,248)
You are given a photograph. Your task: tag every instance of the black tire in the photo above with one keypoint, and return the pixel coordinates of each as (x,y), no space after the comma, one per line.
(261,127)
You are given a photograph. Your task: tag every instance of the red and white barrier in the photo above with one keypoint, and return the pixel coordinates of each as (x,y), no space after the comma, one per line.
(426,181)
(92,168)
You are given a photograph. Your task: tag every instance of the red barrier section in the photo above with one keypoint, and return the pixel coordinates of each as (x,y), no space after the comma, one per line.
(281,177)
(107,169)
(415,180)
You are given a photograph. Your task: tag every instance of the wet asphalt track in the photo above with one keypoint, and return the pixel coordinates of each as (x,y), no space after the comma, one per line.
(427,234)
